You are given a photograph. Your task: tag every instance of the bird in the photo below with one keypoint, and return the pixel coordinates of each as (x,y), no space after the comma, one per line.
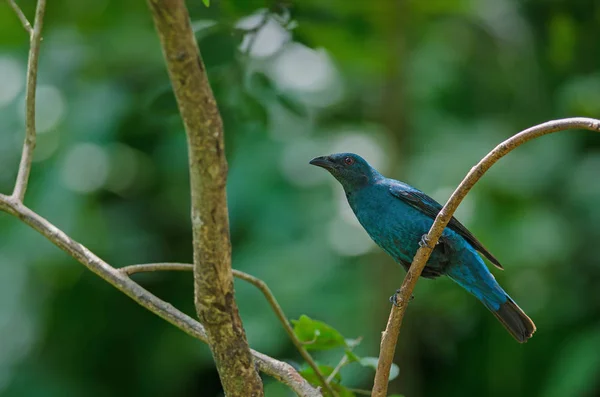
(398,217)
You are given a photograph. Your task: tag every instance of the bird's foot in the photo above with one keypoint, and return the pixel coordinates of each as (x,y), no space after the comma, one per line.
(394,298)
(424,242)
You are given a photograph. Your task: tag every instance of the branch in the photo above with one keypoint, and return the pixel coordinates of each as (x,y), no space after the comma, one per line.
(390,335)
(32,69)
(156,267)
(21,17)
(213,280)
(264,288)
(344,360)
(119,279)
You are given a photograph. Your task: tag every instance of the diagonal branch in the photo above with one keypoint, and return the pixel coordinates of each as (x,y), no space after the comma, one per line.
(32,69)
(213,280)
(119,279)
(264,288)
(390,335)
(21,16)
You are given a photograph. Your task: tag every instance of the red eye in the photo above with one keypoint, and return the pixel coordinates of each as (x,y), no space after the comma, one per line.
(348,160)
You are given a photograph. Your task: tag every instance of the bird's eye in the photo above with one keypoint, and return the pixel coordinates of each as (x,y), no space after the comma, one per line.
(348,160)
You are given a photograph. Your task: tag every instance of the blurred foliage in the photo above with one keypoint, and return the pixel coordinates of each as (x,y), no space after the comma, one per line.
(422,89)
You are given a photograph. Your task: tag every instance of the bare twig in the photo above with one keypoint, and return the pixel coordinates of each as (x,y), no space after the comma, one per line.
(119,279)
(156,267)
(213,280)
(32,69)
(337,368)
(390,335)
(264,288)
(21,16)
(343,361)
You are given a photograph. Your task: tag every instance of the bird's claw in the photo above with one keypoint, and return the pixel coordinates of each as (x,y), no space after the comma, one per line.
(424,242)
(394,298)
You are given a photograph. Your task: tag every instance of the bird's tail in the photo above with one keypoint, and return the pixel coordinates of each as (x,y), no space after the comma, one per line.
(514,320)
(480,282)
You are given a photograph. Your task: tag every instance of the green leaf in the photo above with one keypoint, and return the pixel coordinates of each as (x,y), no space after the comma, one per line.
(309,374)
(342,391)
(372,363)
(396,395)
(206,2)
(316,334)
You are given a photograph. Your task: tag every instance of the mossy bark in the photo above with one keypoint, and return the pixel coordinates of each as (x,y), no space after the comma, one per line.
(213,281)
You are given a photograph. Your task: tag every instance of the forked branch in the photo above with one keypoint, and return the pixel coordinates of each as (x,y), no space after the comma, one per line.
(390,335)
(120,280)
(21,16)
(32,66)
(13,205)
(264,288)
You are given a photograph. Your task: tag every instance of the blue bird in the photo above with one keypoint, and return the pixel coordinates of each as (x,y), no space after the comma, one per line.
(397,216)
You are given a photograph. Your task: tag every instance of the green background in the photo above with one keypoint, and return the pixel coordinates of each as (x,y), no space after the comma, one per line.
(422,89)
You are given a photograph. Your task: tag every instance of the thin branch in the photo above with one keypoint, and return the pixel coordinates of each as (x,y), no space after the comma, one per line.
(390,335)
(337,368)
(32,70)
(156,267)
(21,16)
(119,279)
(263,287)
(343,361)
(213,280)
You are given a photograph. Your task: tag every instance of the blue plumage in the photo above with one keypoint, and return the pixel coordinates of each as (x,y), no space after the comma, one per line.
(396,216)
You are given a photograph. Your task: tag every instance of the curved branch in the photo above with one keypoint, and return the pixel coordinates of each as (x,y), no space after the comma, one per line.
(119,279)
(264,288)
(390,335)
(32,69)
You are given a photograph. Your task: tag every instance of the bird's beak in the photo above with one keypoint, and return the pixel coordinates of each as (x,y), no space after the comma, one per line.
(323,162)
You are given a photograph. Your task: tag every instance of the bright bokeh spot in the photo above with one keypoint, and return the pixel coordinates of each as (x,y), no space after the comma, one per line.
(85,168)
(294,163)
(267,40)
(12,80)
(348,240)
(50,108)
(309,73)
(356,141)
(302,68)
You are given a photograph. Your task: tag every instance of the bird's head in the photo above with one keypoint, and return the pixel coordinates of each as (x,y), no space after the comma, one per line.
(351,170)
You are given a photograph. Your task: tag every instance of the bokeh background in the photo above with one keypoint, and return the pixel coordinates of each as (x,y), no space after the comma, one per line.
(422,89)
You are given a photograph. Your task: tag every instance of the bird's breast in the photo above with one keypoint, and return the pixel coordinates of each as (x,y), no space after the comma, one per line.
(393,225)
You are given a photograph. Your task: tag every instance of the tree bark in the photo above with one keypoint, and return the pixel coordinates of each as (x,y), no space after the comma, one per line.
(213,281)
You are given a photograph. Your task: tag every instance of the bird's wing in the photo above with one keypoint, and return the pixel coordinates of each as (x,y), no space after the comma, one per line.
(431,208)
